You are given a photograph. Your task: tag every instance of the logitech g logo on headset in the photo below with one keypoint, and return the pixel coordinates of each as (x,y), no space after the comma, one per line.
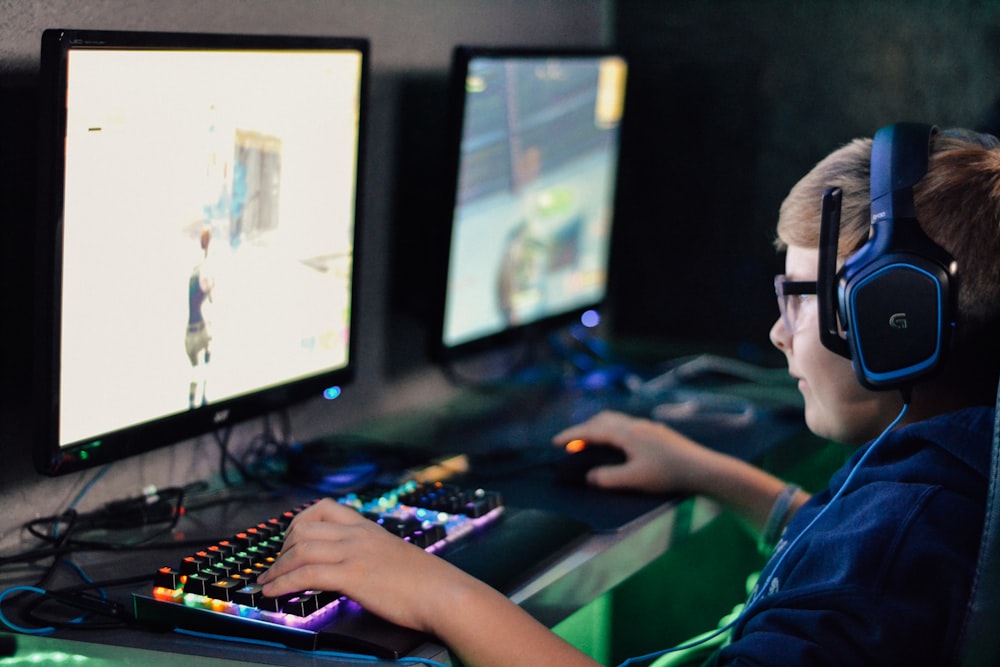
(897,321)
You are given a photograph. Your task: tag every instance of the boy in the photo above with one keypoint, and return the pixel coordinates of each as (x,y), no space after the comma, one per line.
(876,570)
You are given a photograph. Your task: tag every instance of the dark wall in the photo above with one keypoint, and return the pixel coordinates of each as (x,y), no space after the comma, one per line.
(732,102)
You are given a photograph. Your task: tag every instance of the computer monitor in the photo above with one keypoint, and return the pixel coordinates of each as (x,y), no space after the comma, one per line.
(534,149)
(196,249)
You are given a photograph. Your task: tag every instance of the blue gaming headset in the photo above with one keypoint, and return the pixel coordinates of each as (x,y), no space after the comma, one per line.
(892,299)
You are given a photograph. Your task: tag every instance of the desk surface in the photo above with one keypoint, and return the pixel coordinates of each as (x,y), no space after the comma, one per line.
(620,545)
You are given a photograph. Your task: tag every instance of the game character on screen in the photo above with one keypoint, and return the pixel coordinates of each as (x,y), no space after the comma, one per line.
(197,338)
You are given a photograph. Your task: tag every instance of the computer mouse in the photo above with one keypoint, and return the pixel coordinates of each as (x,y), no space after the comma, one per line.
(580,457)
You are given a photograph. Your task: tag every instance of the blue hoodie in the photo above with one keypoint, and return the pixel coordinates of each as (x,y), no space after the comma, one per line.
(883,577)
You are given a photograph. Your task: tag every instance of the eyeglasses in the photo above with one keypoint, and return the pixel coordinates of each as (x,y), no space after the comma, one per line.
(792,295)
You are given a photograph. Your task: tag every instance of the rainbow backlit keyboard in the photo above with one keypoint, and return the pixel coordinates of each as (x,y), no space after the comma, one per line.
(214,590)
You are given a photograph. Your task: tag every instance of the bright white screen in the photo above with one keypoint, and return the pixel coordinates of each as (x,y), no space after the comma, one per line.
(259,150)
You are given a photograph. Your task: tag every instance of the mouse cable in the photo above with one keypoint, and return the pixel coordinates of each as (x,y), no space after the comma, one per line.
(81,601)
(78,597)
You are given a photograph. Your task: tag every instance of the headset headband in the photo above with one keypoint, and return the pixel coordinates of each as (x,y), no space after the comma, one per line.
(899,161)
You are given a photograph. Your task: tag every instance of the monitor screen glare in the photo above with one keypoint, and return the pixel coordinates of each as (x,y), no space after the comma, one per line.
(207,228)
(535,190)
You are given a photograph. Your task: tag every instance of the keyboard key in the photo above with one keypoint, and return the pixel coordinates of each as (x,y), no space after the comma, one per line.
(300,604)
(167,577)
(223,589)
(198,584)
(193,564)
(251,596)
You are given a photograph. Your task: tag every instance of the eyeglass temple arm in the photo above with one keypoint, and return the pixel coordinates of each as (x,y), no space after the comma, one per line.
(826,284)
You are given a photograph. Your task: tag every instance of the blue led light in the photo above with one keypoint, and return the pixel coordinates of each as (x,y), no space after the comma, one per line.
(590,318)
(331,393)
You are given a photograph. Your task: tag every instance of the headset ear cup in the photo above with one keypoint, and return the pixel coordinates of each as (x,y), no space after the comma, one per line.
(897,317)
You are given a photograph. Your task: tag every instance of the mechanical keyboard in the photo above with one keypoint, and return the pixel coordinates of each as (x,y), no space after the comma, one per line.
(214,590)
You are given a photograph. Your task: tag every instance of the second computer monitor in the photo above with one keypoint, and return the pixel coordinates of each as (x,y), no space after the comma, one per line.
(535,155)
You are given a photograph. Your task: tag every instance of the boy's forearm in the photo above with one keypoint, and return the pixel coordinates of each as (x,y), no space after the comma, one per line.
(745,489)
(485,629)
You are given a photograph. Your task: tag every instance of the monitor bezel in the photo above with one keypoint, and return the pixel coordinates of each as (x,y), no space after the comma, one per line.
(528,332)
(49,457)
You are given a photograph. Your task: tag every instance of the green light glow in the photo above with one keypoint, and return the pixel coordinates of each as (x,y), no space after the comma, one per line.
(45,658)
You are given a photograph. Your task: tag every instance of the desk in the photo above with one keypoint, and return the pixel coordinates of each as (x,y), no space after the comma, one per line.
(552,592)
